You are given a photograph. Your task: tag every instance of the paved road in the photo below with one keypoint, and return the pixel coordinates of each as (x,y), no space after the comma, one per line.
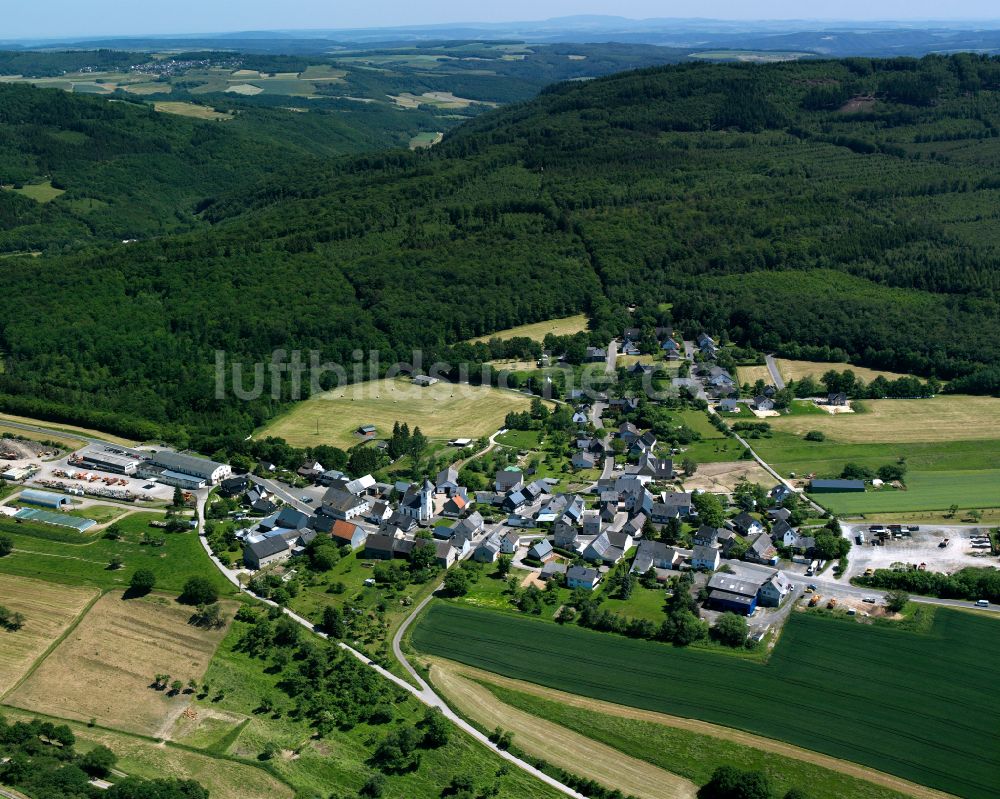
(779,381)
(612,361)
(767,467)
(843,587)
(689,350)
(282,492)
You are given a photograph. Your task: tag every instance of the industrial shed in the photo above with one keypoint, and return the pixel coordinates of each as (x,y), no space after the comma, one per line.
(58,519)
(44,499)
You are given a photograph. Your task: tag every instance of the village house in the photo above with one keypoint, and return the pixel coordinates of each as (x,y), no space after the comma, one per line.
(763,403)
(609,547)
(745,524)
(672,505)
(564,535)
(341,504)
(489,550)
(509,543)
(582,577)
(508,480)
(446,481)
(540,550)
(656,555)
(761,550)
(705,557)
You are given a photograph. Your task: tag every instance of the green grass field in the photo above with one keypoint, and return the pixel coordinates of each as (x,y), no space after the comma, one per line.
(56,555)
(441,411)
(190,110)
(691,754)
(872,695)
(925,491)
(43,192)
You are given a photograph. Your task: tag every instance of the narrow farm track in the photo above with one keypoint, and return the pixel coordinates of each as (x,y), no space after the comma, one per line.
(453,670)
(557,744)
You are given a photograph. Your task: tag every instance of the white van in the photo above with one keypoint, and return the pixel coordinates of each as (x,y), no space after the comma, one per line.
(983,603)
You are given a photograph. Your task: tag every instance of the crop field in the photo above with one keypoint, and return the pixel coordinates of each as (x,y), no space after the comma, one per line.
(871,695)
(190,110)
(796,370)
(442,411)
(62,556)
(48,611)
(104,667)
(538,330)
(924,491)
(138,757)
(686,747)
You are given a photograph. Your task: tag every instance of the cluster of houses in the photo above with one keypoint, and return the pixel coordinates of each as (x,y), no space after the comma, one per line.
(632,337)
(384,519)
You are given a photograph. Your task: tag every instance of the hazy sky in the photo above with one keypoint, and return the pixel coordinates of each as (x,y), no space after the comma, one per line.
(55,18)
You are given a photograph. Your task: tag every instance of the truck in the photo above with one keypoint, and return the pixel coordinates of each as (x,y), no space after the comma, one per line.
(860,537)
(812,568)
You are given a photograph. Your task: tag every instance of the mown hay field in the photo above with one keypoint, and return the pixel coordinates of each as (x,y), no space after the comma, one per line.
(796,370)
(104,668)
(539,330)
(48,611)
(871,695)
(952,417)
(441,411)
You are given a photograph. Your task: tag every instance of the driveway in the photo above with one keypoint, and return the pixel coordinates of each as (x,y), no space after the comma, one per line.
(612,361)
(772,367)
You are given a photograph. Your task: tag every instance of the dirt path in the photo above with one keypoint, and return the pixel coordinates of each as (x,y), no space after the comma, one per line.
(702,727)
(558,745)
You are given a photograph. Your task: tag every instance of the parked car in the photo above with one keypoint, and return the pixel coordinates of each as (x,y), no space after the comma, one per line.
(869,599)
(983,603)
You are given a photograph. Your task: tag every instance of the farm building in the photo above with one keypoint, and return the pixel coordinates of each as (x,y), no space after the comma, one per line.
(58,519)
(727,592)
(833,486)
(44,499)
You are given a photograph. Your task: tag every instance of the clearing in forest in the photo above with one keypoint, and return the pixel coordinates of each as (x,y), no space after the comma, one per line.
(441,411)
(539,330)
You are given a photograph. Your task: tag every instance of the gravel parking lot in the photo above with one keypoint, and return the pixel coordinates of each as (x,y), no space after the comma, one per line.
(921,547)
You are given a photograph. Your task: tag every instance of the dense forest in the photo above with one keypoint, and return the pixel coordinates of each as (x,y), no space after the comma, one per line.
(848,205)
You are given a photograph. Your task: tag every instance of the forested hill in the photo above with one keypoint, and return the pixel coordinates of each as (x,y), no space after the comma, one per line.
(850,205)
(126,171)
